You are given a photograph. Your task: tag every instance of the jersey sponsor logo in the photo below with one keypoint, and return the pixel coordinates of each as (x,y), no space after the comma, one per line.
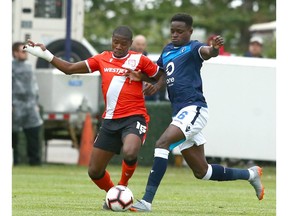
(170,81)
(170,68)
(169,71)
(119,71)
(141,128)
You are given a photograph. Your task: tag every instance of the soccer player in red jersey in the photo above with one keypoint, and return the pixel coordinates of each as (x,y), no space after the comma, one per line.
(125,117)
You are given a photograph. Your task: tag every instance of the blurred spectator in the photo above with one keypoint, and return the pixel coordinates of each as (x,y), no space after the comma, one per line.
(255,47)
(25,110)
(139,44)
(221,49)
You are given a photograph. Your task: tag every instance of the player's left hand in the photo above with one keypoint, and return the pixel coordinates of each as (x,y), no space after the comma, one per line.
(133,75)
(38,50)
(149,89)
(217,42)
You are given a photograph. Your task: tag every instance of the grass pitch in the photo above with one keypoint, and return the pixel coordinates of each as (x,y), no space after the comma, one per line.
(66,190)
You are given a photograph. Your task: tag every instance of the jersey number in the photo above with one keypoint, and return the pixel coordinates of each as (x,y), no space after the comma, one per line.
(182,115)
(141,128)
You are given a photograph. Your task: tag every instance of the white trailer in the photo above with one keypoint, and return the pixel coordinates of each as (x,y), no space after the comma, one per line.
(59,25)
(241,96)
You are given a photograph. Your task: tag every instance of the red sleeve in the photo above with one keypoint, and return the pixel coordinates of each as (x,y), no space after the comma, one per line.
(148,66)
(93,63)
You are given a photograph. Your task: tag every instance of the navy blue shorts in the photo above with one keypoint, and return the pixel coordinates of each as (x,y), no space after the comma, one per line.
(112,132)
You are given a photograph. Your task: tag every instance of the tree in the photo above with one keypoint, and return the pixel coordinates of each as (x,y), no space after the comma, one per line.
(230,18)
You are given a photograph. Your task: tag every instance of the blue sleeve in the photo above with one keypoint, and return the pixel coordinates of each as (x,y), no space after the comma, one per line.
(160,61)
(195,45)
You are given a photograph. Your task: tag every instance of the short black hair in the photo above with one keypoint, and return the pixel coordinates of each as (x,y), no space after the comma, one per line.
(16,46)
(124,31)
(183,17)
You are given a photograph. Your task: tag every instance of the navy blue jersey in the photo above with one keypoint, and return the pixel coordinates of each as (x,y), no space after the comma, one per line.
(184,83)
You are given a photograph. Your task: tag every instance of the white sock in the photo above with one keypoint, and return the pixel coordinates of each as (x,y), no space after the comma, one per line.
(162,153)
(208,173)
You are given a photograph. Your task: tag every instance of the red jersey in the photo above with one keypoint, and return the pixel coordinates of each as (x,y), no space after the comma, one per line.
(122,96)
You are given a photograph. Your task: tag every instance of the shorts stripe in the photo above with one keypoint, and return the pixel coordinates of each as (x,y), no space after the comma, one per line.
(174,145)
(196,116)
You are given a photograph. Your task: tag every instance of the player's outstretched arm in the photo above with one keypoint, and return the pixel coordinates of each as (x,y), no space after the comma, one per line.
(39,50)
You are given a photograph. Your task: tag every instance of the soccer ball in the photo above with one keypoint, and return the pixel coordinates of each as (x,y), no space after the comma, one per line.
(119,198)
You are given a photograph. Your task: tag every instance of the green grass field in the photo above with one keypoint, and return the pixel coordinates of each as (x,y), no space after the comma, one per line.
(66,190)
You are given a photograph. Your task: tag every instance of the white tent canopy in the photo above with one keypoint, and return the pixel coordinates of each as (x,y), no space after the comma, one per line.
(269,26)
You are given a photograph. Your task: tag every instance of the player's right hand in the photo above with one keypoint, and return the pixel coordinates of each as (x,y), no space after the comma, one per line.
(38,50)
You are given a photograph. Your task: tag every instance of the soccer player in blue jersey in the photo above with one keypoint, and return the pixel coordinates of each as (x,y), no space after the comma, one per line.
(182,60)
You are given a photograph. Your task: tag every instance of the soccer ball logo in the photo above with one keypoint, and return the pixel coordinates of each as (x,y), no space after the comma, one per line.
(119,198)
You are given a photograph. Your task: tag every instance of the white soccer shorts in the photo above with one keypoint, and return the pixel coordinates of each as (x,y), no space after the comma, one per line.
(191,120)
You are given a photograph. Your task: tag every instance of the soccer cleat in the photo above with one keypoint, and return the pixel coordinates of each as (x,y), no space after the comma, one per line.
(256,182)
(141,206)
(105,206)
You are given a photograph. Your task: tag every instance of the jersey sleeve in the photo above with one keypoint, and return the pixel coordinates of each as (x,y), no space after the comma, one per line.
(148,66)
(195,49)
(93,63)
(160,62)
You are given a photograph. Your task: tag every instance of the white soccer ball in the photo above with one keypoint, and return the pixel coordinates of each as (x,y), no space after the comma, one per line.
(119,198)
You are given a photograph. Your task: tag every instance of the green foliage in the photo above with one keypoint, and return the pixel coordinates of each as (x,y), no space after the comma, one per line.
(270,49)
(66,190)
(151,18)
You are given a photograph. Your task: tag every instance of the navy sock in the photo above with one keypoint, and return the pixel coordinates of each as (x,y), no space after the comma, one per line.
(156,174)
(220,173)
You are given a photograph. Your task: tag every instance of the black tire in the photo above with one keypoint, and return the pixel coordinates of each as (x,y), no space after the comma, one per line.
(78,52)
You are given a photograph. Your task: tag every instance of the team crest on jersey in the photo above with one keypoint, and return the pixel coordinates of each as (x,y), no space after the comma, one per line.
(132,62)
(183,49)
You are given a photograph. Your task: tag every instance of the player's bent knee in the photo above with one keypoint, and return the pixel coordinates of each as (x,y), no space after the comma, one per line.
(162,144)
(130,156)
(94,174)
